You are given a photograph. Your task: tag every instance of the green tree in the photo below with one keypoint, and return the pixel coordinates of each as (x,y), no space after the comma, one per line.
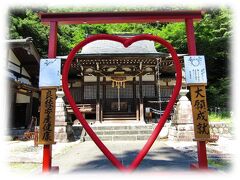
(218,93)
(27,24)
(212,33)
(213,36)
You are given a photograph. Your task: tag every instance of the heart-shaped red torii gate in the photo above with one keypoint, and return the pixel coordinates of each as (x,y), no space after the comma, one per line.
(126,42)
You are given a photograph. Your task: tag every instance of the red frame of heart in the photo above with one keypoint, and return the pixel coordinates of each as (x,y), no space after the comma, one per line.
(126,42)
(53,19)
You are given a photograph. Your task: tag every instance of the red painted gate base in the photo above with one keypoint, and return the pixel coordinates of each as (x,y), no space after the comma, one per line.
(194,166)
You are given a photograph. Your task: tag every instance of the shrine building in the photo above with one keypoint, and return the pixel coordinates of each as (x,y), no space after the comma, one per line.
(111,83)
(23,70)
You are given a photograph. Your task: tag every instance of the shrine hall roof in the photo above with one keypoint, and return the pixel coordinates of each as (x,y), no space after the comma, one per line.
(112,47)
(107,52)
(105,55)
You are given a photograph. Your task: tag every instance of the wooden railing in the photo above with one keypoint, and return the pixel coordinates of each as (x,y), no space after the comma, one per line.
(84,108)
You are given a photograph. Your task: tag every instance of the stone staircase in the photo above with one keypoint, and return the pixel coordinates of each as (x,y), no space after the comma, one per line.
(119,117)
(122,132)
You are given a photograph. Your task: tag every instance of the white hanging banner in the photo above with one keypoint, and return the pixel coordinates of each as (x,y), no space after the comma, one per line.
(195,69)
(50,73)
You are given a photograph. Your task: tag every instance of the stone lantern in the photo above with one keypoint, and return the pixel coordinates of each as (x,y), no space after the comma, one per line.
(181,128)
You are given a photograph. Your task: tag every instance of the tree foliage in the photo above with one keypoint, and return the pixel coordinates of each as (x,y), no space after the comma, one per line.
(212,33)
(27,24)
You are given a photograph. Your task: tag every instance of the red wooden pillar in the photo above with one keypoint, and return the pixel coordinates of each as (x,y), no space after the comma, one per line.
(201,145)
(52,49)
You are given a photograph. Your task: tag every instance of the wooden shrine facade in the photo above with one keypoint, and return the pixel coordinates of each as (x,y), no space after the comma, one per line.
(120,86)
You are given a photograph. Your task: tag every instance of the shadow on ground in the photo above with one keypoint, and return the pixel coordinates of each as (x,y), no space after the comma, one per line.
(165,158)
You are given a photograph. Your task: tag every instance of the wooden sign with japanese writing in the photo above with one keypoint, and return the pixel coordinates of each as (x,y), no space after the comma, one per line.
(200,112)
(47,116)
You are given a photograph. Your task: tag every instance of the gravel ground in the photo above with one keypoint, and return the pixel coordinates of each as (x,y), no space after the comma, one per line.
(219,153)
(24,158)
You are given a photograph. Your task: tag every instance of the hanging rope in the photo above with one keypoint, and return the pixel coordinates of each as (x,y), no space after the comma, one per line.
(158,83)
(119,82)
(119,103)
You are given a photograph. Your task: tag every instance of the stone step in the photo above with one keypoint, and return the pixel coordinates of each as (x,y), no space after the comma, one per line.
(123,132)
(120,132)
(122,127)
(121,138)
(121,122)
(131,133)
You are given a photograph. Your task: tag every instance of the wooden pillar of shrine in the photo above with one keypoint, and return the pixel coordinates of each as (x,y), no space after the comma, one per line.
(98,107)
(141,108)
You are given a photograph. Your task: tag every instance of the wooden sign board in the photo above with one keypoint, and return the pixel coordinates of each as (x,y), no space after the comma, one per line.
(200,112)
(47,116)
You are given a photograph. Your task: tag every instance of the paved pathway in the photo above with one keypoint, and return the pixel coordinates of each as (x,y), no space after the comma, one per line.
(87,157)
(81,157)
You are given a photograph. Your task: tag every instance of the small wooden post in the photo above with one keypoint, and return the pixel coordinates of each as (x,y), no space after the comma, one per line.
(35,137)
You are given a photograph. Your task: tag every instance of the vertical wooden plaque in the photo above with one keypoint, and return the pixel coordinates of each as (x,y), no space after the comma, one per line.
(47,116)
(200,112)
